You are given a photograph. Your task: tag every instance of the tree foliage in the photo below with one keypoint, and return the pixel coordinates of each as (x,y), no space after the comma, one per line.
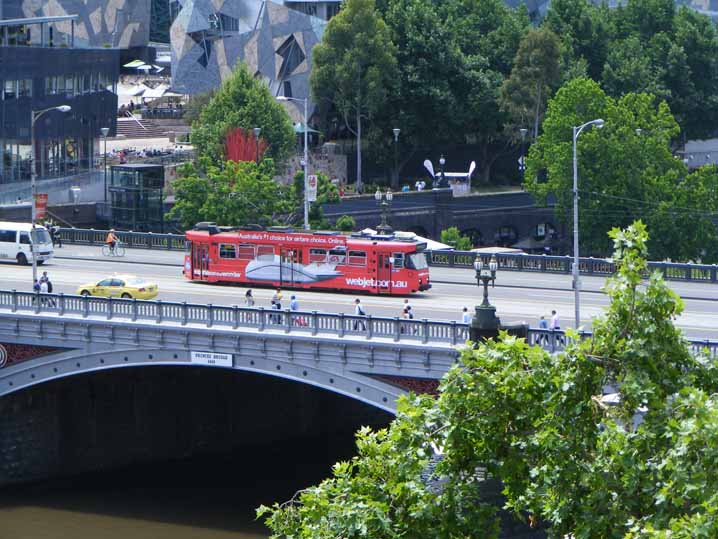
(640,469)
(623,174)
(452,236)
(354,67)
(534,77)
(237,194)
(242,102)
(346,223)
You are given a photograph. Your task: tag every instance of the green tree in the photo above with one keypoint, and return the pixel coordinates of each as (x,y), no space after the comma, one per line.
(640,469)
(194,106)
(346,223)
(535,76)
(622,175)
(452,236)
(488,34)
(354,67)
(236,194)
(242,101)
(586,31)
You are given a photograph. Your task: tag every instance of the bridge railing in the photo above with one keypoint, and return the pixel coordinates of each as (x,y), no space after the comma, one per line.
(307,322)
(303,322)
(602,267)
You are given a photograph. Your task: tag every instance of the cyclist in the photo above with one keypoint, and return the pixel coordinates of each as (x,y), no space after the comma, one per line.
(111,240)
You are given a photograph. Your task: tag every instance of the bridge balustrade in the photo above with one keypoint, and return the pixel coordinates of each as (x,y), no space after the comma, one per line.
(314,322)
(209,315)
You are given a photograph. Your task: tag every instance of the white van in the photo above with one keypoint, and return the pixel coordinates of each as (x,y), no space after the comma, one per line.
(16,239)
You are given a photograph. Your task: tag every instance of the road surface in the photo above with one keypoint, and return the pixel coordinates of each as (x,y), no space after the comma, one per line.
(517,296)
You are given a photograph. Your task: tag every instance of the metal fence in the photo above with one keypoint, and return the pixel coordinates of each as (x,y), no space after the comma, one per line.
(300,322)
(451,259)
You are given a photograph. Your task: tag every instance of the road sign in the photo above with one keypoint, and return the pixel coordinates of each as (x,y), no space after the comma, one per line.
(312,188)
(40,205)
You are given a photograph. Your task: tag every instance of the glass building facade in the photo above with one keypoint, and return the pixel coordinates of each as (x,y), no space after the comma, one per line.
(137,197)
(37,74)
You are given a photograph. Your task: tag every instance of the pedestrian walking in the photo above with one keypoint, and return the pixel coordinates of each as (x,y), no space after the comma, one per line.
(466,316)
(359,311)
(276,318)
(277,297)
(43,292)
(294,306)
(249,298)
(543,335)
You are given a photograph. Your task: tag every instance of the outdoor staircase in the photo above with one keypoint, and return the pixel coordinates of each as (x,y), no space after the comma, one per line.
(131,128)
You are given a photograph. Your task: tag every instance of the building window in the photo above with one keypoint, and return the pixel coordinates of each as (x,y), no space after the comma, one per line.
(292,55)
(9,89)
(24,88)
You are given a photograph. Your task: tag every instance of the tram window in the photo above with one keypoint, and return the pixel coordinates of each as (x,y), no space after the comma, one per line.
(417,261)
(265,252)
(187,247)
(398,260)
(337,256)
(246,252)
(227,250)
(317,255)
(357,258)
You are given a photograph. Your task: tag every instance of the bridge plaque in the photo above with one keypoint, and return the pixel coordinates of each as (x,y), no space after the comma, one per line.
(211,358)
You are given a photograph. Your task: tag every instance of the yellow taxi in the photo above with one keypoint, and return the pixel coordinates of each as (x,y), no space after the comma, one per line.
(120,286)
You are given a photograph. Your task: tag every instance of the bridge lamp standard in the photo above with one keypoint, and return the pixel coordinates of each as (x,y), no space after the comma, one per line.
(522,161)
(105,131)
(304,100)
(576,274)
(34,116)
(396,132)
(384,205)
(485,319)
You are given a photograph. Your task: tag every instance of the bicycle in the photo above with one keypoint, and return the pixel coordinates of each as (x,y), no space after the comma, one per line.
(119,250)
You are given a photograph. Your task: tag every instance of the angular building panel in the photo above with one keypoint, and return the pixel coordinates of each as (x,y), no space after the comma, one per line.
(209,37)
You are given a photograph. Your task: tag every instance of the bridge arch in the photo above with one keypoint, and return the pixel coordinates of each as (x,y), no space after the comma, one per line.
(366,389)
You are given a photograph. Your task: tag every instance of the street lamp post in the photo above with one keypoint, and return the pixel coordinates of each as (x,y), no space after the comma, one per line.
(257,131)
(34,116)
(105,131)
(384,205)
(576,275)
(396,131)
(522,163)
(485,321)
(306,153)
(442,179)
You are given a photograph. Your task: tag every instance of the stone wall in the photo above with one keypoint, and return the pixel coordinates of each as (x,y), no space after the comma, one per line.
(129,415)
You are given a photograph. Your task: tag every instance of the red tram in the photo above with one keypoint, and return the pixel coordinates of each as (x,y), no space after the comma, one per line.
(323,260)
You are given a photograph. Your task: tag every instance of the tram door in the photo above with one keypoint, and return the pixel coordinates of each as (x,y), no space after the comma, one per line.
(200,260)
(288,269)
(383,273)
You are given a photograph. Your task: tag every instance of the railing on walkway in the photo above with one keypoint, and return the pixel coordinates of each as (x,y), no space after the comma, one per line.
(220,316)
(301,322)
(451,259)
